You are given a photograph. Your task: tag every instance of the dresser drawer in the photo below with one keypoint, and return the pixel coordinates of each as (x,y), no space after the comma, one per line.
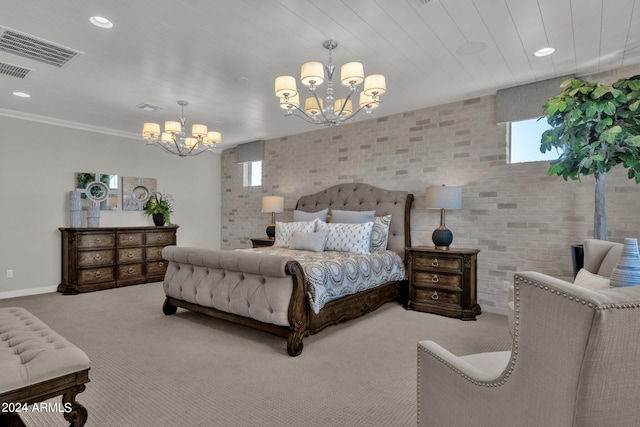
(157,268)
(433,262)
(154,253)
(437,296)
(130,255)
(130,272)
(130,239)
(437,280)
(95,258)
(100,240)
(160,238)
(95,275)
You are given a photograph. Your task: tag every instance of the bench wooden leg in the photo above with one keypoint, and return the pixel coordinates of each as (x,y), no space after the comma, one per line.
(78,414)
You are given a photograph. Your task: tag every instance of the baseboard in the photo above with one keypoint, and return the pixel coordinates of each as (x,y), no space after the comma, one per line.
(27,292)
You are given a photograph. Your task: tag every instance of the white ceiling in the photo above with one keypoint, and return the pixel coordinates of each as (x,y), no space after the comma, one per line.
(223,55)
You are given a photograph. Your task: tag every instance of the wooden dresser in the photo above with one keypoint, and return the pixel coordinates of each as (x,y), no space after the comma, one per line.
(443,281)
(107,257)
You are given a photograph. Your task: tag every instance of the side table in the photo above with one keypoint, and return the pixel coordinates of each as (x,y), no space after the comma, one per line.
(443,281)
(261,242)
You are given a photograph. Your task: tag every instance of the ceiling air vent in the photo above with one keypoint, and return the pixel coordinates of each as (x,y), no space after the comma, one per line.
(149,107)
(40,50)
(14,70)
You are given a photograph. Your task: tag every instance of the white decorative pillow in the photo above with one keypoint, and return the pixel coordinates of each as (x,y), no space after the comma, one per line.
(310,216)
(285,230)
(588,280)
(380,233)
(354,238)
(351,217)
(309,241)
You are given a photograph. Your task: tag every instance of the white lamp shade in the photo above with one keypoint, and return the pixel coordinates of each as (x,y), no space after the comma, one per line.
(337,106)
(286,86)
(444,197)
(212,138)
(368,101)
(199,131)
(190,142)
(352,73)
(311,105)
(288,104)
(375,85)
(312,73)
(272,204)
(172,127)
(150,130)
(167,137)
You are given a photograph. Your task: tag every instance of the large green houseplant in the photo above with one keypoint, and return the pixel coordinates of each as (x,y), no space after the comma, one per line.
(594,127)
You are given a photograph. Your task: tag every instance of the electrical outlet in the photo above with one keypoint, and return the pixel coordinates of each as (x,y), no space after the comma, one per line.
(9,274)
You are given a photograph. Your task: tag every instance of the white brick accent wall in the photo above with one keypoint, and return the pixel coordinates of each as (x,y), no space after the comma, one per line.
(519,217)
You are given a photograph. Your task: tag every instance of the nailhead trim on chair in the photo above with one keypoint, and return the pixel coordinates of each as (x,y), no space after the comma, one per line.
(516,306)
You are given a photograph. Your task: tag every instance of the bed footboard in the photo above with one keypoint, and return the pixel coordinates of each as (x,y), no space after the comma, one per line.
(262,291)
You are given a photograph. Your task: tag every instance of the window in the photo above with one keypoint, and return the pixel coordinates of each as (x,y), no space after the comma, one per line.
(524,141)
(252,174)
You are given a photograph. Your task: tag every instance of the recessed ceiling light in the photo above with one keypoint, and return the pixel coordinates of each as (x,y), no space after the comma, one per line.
(101,22)
(544,51)
(22,94)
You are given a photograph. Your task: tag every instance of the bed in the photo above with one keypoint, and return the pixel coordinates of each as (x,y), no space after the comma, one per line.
(267,289)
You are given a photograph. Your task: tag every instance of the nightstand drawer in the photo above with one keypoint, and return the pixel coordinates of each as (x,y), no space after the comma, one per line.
(434,262)
(130,255)
(95,258)
(438,280)
(437,296)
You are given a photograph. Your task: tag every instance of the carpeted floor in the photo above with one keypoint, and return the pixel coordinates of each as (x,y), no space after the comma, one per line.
(148,369)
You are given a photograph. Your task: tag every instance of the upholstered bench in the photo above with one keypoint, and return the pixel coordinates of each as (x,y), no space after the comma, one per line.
(37,364)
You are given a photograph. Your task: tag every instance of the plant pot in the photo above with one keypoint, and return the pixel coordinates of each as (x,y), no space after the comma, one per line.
(577,258)
(158,219)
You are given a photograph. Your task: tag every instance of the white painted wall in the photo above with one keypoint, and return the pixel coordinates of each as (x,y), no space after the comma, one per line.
(37,166)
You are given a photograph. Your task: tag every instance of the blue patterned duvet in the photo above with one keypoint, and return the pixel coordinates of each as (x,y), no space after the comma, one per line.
(331,275)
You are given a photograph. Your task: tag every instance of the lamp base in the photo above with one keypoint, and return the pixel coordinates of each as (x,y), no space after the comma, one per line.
(442,238)
(271,231)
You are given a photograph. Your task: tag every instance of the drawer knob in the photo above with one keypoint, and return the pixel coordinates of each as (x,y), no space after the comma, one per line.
(97,241)
(161,264)
(98,274)
(98,257)
(435,296)
(130,254)
(434,263)
(435,278)
(130,269)
(130,238)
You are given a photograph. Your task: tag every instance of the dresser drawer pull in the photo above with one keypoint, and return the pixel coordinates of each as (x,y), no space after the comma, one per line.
(435,296)
(130,254)
(98,274)
(434,263)
(131,270)
(435,278)
(160,252)
(97,241)
(161,264)
(97,257)
(130,238)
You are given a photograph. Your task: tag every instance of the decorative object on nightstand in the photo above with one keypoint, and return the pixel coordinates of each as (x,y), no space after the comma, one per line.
(443,281)
(273,205)
(443,198)
(159,206)
(262,242)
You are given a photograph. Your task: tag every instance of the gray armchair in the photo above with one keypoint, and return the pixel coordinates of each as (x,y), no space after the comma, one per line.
(574,362)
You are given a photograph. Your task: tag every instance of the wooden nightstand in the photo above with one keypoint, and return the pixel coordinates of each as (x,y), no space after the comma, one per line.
(443,281)
(261,242)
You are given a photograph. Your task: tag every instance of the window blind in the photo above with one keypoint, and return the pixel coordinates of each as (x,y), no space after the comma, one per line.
(250,152)
(526,101)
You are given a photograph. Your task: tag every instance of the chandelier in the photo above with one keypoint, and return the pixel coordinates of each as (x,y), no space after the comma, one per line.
(174,139)
(329,111)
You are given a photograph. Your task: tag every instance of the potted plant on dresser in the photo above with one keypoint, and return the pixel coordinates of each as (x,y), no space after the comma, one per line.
(594,127)
(159,207)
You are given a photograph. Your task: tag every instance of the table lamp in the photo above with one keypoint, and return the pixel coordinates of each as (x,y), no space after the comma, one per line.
(273,204)
(443,198)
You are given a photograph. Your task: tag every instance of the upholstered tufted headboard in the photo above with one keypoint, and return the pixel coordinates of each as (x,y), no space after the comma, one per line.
(365,197)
